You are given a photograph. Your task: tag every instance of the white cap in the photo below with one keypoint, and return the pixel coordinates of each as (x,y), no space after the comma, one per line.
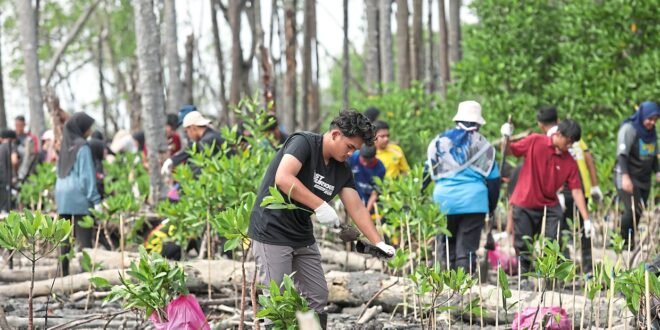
(195,118)
(469,111)
(48,135)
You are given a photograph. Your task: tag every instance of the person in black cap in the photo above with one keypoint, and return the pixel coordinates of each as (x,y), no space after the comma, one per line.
(276,137)
(7,138)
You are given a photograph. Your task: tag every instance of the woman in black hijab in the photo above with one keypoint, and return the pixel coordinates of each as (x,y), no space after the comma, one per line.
(75,188)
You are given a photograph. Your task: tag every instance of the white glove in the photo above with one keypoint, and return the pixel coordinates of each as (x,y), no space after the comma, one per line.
(388,249)
(596,194)
(167,167)
(326,215)
(562,201)
(588,228)
(506,130)
(98,207)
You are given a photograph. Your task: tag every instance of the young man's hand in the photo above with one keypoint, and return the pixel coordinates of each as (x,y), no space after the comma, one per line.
(506,130)
(596,194)
(388,249)
(588,228)
(326,215)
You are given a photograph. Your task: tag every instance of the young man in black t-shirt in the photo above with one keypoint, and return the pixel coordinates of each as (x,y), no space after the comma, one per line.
(312,169)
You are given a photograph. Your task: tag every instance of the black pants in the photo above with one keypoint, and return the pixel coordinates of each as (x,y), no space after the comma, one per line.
(83,237)
(584,241)
(528,223)
(465,232)
(641,197)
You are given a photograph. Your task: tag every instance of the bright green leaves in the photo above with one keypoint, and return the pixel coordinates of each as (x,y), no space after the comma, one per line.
(34,232)
(281,303)
(151,285)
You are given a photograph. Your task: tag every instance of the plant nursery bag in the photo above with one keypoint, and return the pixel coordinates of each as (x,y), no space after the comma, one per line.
(183,313)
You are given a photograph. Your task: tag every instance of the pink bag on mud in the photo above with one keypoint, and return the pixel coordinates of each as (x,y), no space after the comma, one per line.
(182,313)
(509,263)
(526,317)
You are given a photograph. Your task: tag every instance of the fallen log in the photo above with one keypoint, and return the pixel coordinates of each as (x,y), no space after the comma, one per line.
(352,261)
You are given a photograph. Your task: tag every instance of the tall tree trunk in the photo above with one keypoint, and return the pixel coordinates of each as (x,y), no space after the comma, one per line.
(402,44)
(430,63)
(443,49)
(346,73)
(290,94)
(134,98)
(174,87)
(235,8)
(219,57)
(102,96)
(28,31)
(385,33)
(310,111)
(3,113)
(373,53)
(417,43)
(263,65)
(151,88)
(455,53)
(188,83)
(275,73)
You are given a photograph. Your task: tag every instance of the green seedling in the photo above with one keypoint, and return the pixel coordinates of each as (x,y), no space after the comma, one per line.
(152,283)
(281,303)
(34,236)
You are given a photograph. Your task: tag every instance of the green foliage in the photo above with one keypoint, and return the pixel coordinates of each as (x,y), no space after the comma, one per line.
(151,285)
(433,280)
(552,264)
(402,202)
(281,304)
(632,285)
(39,188)
(618,243)
(87,265)
(34,235)
(399,259)
(224,181)
(233,223)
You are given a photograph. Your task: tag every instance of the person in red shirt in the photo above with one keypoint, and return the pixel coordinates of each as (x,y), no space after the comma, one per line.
(547,167)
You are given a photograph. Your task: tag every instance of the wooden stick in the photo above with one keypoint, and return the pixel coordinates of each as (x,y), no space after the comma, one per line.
(519,291)
(121,243)
(634,214)
(481,296)
(585,304)
(647,295)
(497,300)
(470,291)
(629,263)
(96,246)
(611,302)
(411,262)
(208,248)
(448,267)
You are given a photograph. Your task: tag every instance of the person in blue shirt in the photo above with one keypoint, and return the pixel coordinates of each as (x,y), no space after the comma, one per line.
(75,188)
(366,167)
(461,161)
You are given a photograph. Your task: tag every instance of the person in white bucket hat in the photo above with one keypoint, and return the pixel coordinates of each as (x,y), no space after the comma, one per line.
(469,111)
(462,163)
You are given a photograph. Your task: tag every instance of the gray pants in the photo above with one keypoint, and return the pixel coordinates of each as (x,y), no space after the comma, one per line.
(275,261)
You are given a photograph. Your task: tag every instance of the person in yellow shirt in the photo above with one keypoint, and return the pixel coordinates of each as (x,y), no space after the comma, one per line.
(390,154)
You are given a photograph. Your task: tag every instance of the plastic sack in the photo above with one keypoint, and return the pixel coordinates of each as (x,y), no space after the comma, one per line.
(509,262)
(183,313)
(526,317)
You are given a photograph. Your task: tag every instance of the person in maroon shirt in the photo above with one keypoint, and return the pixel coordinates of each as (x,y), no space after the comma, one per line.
(547,167)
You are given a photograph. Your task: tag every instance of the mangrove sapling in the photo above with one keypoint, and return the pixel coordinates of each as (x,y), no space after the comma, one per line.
(151,285)
(232,224)
(551,265)
(36,191)
(34,236)
(281,303)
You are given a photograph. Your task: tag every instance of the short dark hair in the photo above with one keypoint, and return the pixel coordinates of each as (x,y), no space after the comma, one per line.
(379,124)
(172,120)
(20,118)
(352,123)
(372,113)
(8,134)
(547,115)
(570,129)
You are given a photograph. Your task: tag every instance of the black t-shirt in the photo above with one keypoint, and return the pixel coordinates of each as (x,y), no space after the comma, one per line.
(294,227)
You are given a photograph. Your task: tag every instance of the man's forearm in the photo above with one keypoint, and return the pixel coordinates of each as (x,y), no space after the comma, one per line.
(580,202)
(293,187)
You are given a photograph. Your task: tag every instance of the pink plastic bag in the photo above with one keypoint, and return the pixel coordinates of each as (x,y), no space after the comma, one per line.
(183,313)
(509,263)
(526,317)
